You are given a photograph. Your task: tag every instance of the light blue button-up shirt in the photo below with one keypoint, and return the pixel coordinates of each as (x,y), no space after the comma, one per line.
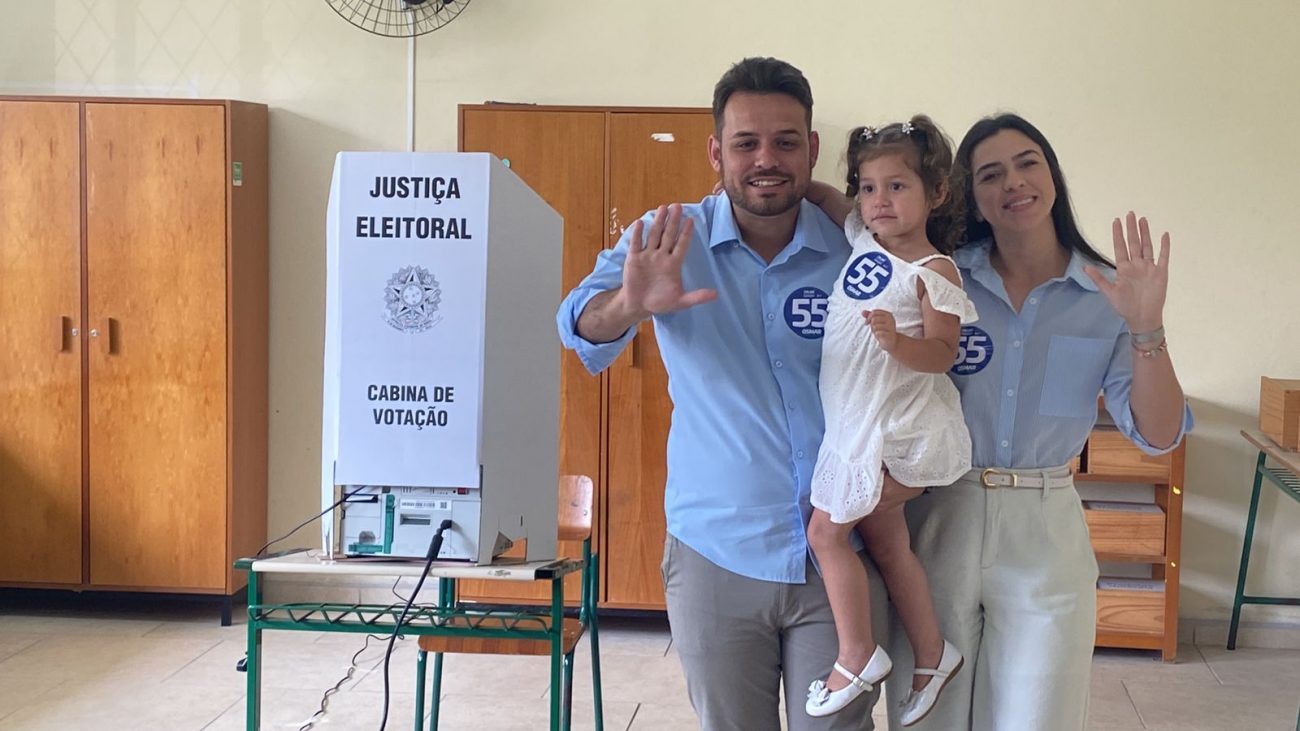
(1029,380)
(742,374)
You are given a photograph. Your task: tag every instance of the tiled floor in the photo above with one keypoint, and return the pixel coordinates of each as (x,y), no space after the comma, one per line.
(172,668)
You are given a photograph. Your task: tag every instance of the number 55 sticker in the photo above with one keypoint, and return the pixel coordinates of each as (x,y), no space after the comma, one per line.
(868,275)
(974,351)
(805,312)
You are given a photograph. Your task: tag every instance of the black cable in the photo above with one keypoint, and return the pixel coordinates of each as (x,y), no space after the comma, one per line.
(435,546)
(307,521)
(325,699)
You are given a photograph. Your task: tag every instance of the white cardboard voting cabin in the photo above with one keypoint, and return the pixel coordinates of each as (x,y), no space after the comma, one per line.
(441,358)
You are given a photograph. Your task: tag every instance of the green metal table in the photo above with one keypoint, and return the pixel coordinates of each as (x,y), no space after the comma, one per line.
(1285,476)
(447,618)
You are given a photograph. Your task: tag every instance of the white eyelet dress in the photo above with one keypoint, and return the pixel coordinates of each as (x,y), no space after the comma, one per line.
(880,413)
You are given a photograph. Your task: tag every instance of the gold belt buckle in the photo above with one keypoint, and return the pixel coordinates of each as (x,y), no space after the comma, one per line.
(984,478)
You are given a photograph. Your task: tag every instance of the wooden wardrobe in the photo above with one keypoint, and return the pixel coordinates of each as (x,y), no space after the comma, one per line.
(601,168)
(133,312)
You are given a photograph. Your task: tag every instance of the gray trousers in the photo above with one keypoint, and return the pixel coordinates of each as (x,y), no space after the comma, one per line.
(739,639)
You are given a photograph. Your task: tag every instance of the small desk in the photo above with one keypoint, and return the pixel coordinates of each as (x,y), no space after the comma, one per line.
(423,619)
(1286,477)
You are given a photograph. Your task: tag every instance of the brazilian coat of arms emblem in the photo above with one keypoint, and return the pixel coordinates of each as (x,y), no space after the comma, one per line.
(411,298)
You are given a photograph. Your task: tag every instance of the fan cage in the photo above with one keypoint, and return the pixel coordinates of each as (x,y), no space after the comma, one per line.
(397,18)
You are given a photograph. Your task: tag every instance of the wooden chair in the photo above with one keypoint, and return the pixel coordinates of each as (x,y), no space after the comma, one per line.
(574,524)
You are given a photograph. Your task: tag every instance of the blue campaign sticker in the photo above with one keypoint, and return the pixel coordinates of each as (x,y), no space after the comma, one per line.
(805,312)
(974,351)
(868,275)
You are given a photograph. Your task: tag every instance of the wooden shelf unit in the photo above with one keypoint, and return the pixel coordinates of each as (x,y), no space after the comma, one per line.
(1134,619)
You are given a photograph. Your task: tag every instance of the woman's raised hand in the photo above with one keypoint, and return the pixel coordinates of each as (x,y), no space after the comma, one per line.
(1141,279)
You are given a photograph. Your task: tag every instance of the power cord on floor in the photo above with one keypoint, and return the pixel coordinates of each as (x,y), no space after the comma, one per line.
(325,699)
(435,546)
(352,669)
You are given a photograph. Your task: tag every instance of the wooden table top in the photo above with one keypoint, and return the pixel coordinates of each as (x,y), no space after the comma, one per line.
(1285,458)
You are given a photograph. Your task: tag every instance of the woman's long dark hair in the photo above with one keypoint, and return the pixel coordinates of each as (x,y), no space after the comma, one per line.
(1067,231)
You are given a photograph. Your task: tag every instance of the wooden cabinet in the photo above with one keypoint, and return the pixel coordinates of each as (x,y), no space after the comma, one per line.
(1136,612)
(135,305)
(601,168)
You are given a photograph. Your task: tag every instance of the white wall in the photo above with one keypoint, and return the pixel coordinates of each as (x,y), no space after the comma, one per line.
(1182,109)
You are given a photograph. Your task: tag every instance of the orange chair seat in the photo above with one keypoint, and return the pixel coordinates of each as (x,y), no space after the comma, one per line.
(500,645)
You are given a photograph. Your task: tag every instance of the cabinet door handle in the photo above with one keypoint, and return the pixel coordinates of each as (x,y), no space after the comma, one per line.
(107,334)
(65,331)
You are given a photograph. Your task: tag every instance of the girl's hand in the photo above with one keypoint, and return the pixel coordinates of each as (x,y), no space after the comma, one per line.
(883,328)
(1141,280)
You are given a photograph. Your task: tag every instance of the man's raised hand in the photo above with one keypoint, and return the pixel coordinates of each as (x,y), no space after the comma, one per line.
(652,272)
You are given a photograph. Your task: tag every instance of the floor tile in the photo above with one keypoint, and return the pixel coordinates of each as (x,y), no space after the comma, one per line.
(1188,666)
(21,690)
(1109,705)
(287,709)
(81,657)
(287,662)
(1255,667)
(460,711)
(119,702)
(1205,707)
(12,642)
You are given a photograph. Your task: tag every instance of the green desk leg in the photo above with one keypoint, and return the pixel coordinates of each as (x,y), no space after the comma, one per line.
(567,722)
(446,600)
(1245,552)
(420,662)
(557,649)
(594,632)
(253,666)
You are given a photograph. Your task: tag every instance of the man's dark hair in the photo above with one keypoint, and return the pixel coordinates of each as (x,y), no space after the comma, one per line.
(761,76)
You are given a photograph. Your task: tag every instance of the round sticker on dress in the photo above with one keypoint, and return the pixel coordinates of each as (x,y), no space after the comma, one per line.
(868,275)
(974,351)
(805,312)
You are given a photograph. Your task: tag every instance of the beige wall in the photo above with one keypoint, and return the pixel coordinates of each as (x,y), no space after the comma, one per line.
(1182,109)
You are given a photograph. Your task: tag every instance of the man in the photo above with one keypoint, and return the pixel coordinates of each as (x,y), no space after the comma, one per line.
(737,288)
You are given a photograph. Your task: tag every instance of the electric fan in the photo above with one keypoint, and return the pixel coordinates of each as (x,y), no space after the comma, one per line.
(398,18)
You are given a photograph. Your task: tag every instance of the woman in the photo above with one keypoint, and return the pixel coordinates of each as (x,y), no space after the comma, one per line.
(1006,547)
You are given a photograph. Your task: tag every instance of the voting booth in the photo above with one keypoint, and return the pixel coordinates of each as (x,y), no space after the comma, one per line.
(441,393)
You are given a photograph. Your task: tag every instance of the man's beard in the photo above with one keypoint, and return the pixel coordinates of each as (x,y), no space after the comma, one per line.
(748,198)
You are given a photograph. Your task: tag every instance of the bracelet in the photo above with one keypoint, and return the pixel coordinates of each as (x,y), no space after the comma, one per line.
(1151,352)
(1152,336)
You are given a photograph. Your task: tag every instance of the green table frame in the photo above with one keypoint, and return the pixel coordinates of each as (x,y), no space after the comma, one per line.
(1285,477)
(423,619)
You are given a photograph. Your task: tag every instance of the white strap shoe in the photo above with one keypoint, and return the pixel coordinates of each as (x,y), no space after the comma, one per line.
(920,702)
(823,701)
